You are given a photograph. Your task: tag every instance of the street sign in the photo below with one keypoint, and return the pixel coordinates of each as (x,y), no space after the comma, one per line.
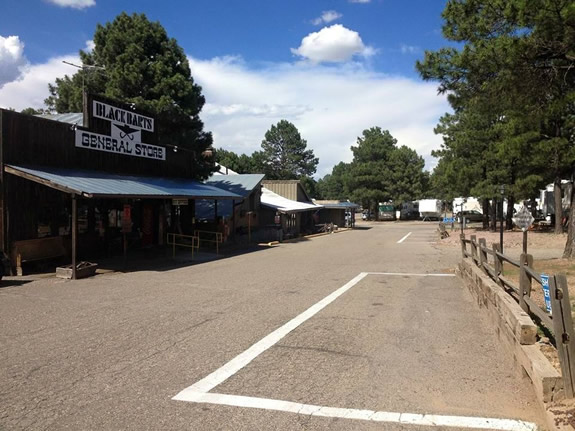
(523,219)
(546,292)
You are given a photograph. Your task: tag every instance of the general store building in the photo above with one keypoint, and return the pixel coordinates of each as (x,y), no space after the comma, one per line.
(92,190)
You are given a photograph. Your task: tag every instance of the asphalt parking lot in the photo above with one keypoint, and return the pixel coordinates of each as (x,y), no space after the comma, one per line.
(364,329)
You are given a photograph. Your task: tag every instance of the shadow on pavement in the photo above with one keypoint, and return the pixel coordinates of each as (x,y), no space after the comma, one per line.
(5,283)
(157,259)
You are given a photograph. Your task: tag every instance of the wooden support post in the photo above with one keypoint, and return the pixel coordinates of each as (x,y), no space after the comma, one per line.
(497,262)
(524,280)
(482,254)
(563,331)
(74,234)
(473,247)
(463,245)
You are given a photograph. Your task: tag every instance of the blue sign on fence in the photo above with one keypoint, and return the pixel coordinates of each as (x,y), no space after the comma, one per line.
(448,220)
(546,291)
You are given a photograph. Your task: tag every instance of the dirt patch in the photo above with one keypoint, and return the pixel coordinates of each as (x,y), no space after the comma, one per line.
(511,239)
(550,352)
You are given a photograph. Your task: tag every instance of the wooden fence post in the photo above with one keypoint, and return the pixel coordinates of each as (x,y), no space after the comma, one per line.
(524,280)
(463,245)
(563,330)
(482,254)
(497,261)
(474,248)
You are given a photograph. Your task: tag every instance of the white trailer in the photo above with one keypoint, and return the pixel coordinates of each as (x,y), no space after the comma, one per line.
(466,204)
(430,209)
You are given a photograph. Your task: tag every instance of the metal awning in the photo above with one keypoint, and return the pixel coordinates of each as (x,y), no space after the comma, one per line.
(94,184)
(283,205)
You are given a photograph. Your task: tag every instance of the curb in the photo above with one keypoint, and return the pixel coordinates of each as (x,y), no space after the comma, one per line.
(302,238)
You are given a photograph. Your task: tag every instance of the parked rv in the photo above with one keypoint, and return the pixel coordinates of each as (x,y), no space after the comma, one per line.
(386,211)
(430,209)
(409,211)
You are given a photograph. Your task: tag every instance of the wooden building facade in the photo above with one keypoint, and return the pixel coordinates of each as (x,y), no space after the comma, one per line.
(101,187)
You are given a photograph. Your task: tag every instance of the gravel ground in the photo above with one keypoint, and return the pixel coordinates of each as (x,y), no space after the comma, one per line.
(542,245)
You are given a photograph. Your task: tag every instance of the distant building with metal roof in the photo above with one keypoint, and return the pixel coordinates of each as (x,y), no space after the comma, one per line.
(241,215)
(340,213)
(241,184)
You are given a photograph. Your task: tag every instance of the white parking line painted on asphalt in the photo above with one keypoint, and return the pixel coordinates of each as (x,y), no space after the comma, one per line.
(243,359)
(460,422)
(409,274)
(404,238)
(199,391)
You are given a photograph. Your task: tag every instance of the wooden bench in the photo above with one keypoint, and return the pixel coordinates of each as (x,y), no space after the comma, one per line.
(31,250)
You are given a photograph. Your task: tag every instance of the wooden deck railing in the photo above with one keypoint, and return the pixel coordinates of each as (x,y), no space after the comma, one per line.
(559,322)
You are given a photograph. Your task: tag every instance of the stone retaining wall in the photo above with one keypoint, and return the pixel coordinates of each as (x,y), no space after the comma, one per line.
(515,329)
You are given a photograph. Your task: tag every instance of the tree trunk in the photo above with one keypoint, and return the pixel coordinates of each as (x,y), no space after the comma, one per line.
(485,205)
(509,216)
(558,205)
(569,252)
(493,227)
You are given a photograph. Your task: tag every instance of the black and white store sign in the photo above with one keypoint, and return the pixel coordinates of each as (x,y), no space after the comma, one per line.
(126,134)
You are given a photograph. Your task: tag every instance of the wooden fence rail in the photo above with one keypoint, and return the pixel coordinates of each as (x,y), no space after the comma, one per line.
(559,322)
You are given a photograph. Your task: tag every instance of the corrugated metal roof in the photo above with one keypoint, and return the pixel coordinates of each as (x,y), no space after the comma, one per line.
(102,184)
(336,204)
(284,205)
(241,184)
(71,117)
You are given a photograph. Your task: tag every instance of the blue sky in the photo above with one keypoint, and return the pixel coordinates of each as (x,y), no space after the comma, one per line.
(333,68)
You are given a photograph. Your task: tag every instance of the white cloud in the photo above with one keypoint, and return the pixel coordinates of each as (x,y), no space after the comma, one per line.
(359,1)
(12,60)
(409,49)
(330,106)
(326,17)
(32,88)
(90,45)
(334,44)
(75,4)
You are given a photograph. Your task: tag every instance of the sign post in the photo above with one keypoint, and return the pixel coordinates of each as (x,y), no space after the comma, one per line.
(523,220)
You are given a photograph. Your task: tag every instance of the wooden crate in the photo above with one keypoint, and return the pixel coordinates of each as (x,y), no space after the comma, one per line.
(83,270)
